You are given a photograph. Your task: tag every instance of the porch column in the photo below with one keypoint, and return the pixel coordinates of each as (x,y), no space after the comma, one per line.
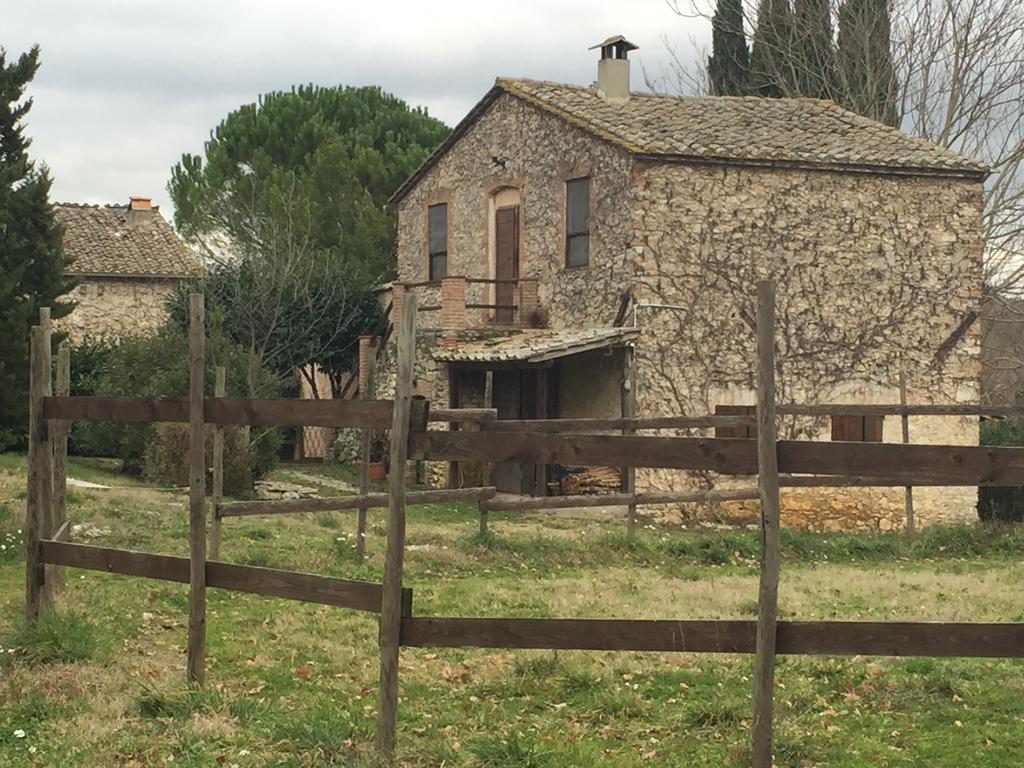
(540,474)
(628,401)
(453,309)
(397,299)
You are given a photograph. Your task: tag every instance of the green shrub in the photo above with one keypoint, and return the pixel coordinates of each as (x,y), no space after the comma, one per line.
(55,639)
(178,704)
(345,545)
(158,365)
(1002,503)
(12,545)
(166,459)
(513,751)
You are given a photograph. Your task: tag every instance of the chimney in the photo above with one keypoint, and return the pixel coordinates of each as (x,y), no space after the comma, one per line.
(613,68)
(140,211)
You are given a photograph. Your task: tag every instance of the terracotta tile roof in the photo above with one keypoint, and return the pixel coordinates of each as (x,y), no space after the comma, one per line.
(104,240)
(741,128)
(534,345)
(746,130)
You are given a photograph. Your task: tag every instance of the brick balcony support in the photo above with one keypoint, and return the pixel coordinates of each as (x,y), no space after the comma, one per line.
(528,299)
(453,309)
(397,299)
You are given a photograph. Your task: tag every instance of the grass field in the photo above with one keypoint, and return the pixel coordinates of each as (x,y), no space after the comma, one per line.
(100,683)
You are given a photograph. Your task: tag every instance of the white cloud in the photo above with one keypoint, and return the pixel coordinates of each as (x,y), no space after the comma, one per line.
(126,88)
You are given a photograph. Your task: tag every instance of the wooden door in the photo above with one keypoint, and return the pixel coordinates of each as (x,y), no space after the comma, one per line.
(506,261)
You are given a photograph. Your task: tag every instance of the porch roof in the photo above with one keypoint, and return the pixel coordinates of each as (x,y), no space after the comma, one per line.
(534,345)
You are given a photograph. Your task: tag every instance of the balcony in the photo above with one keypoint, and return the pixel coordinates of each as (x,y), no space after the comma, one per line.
(473,303)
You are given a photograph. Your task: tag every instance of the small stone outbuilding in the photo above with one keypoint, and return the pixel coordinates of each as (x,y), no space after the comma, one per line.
(566,239)
(128,261)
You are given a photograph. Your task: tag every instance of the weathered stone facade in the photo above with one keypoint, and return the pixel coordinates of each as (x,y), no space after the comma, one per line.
(108,308)
(874,270)
(538,152)
(871,270)
(128,262)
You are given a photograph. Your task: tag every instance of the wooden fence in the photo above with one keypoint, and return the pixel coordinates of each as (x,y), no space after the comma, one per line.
(775,463)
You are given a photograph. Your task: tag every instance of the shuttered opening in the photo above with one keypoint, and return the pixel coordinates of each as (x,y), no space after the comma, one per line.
(859,429)
(736,410)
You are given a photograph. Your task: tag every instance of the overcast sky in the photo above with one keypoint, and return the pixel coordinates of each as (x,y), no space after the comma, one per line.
(125,88)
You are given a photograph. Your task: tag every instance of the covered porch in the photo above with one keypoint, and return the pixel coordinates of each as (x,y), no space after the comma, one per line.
(538,374)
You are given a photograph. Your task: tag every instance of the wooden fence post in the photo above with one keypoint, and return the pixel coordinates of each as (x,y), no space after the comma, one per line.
(908,492)
(768,485)
(628,412)
(38,491)
(196,494)
(219,390)
(47,513)
(366,448)
(391,603)
(486,467)
(59,450)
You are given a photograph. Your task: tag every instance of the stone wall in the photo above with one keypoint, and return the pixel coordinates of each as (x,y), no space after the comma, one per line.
(870,270)
(114,308)
(537,152)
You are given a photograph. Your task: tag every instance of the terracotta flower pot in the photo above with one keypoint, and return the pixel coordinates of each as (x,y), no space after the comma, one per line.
(377,471)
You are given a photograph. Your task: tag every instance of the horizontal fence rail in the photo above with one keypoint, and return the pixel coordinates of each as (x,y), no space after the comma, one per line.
(838,638)
(895,462)
(223,410)
(564,426)
(525,503)
(269,582)
(847,409)
(374,414)
(341,503)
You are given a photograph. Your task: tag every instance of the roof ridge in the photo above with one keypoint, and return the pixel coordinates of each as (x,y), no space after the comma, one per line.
(98,206)
(503,80)
(804,133)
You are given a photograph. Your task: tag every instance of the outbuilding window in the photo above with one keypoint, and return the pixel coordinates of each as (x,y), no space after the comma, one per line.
(858,429)
(437,240)
(577,222)
(747,431)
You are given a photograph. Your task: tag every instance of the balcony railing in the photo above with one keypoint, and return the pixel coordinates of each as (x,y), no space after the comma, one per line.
(476,302)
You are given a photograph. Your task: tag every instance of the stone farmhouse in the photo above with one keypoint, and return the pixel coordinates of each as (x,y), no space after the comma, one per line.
(578,249)
(128,261)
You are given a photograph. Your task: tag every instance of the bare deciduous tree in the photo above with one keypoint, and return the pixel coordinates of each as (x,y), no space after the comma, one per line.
(958,67)
(289,301)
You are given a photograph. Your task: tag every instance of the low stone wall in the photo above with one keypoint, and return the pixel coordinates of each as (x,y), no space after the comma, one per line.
(820,509)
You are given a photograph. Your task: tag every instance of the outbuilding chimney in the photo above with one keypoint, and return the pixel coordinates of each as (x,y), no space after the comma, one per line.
(140,211)
(613,68)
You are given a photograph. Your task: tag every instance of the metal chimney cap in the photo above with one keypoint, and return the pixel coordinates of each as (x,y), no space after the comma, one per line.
(616,40)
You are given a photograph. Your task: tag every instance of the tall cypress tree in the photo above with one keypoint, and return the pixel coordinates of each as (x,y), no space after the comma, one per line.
(729,63)
(771,71)
(32,260)
(865,73)
(813,50)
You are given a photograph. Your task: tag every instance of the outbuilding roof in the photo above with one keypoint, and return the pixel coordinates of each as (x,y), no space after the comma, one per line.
(117,241)
(534,345)
(808,133)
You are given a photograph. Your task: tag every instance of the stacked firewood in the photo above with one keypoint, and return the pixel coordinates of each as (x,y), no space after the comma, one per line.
(580,481)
